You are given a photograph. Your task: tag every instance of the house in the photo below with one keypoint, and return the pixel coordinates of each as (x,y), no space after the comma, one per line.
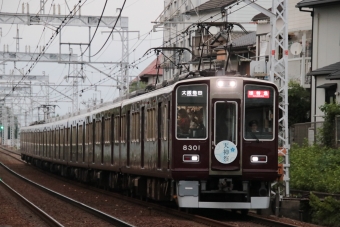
(299,44)
(189,24)
(151,73)
(326,52)
(241,53)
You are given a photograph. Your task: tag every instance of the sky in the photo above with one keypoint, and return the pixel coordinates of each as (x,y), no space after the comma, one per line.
(140,14)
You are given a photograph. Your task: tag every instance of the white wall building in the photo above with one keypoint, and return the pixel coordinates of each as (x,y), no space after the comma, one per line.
(326,53)
(299,44)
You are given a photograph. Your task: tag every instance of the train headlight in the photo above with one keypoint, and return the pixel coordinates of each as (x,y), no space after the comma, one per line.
(191,158)
(226,83)
(258,158)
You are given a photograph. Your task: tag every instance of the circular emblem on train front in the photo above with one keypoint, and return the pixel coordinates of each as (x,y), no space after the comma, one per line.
(225,152)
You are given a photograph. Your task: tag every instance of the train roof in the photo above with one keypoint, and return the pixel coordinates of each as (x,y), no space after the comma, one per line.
(122,102)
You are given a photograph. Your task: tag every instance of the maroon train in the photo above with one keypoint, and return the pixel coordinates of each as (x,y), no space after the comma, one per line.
(190,142)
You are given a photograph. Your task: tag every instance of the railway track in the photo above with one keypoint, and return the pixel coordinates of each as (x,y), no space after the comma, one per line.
(251,220)
(101,216)
(36,210)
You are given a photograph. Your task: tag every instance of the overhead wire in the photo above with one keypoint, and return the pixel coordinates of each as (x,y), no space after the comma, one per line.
(13,22)
(100,18)
(120,13)
(144,39)
(63,24)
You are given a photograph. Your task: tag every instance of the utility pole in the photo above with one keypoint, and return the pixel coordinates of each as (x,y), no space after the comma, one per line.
(279,74)
(124,65)
(17,40)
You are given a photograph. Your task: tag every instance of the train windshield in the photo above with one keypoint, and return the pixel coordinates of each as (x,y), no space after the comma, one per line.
(191,112)
(259,112)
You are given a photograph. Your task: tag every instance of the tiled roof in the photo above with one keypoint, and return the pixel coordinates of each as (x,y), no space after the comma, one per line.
(312,3)
(239,39)
(233,35)
(151,69)
(328,70)
(213,4)
(246,40)
(262,16)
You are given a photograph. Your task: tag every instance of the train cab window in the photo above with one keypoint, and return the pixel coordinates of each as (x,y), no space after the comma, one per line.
(258,119)
(225,123)
(191,111)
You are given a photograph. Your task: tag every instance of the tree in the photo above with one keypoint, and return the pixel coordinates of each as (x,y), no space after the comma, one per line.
(134,86)
(327,135)
(299,103)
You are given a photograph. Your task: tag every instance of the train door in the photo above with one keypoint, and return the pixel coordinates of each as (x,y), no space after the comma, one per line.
(225,155)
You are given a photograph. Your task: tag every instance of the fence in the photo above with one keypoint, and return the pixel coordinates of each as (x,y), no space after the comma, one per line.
(305,131)
(337,130)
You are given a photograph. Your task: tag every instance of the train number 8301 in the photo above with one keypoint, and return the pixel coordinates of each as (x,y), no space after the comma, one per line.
(191,147)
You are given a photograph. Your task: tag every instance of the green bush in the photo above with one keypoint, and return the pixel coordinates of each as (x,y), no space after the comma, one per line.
(315,168)
(327,135)
(325,212)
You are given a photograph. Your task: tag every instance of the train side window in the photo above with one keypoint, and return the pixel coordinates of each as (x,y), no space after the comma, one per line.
(154,120)
(57,143)
(150,124)
(147,124)
(74,135)
(98,132)
(107,133)
(123,128)
(80,134)
(87,134)
(116,129)
(137,117)
(165,122)
(62,144)
(135,127)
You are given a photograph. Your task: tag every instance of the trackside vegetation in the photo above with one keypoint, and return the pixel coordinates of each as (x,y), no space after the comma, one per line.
(317,168)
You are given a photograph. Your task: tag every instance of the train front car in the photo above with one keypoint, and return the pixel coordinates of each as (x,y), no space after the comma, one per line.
(225,143)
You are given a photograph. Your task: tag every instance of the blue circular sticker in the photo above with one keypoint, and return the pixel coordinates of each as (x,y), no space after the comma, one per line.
(225,152)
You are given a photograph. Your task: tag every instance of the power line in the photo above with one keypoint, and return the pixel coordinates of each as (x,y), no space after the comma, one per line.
(120,12)
(54,35)
(96,28)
